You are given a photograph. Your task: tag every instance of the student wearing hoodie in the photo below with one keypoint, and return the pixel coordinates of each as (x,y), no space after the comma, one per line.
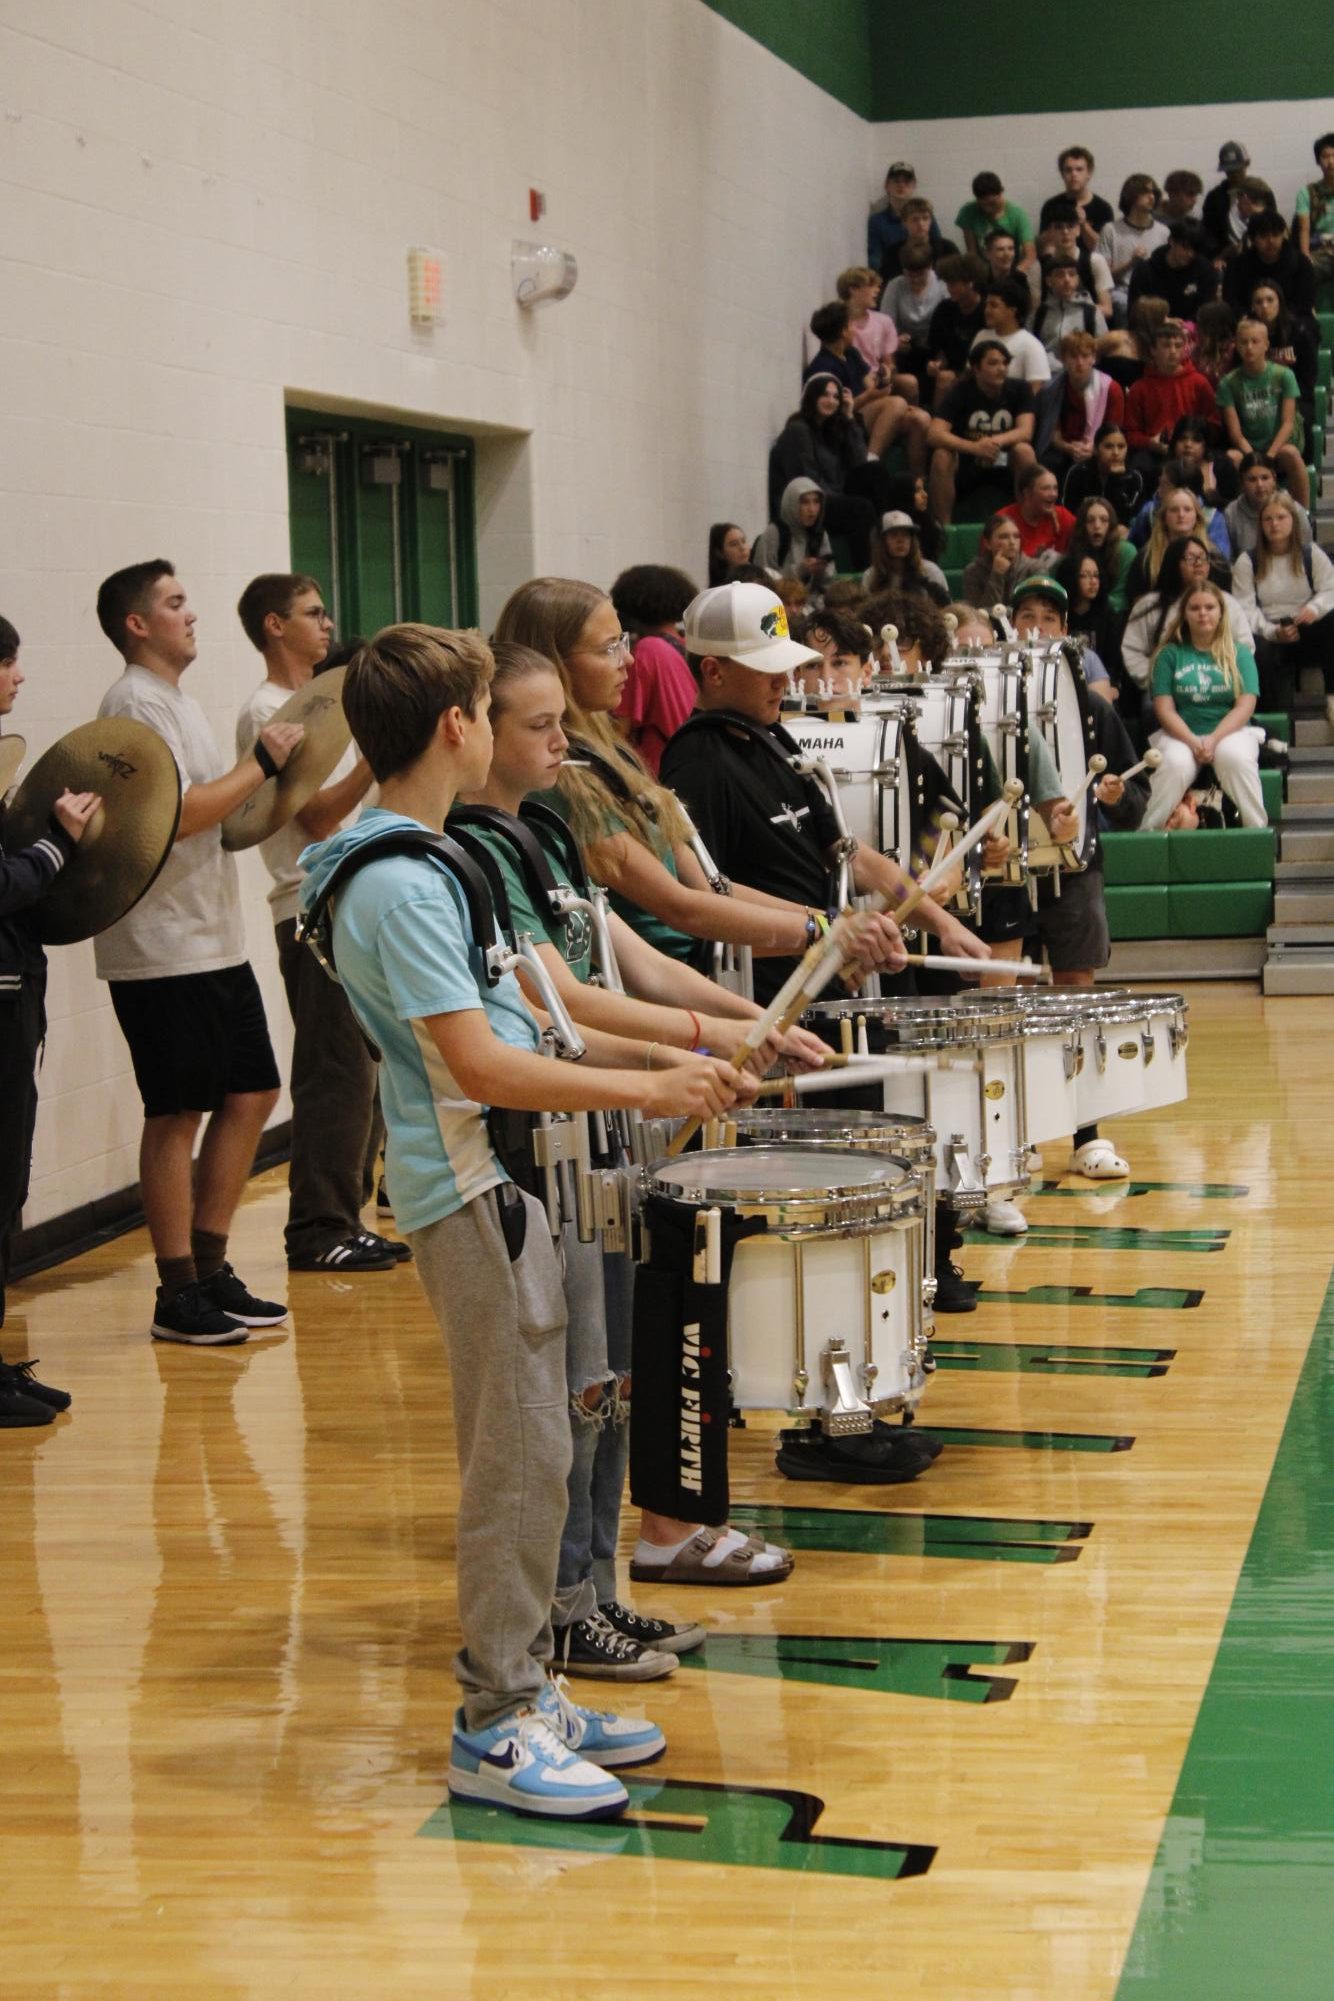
(824,441)
(1242,516)
(1267,253)
(796,545)
(1170,388)
(452,1041)
(1177,271)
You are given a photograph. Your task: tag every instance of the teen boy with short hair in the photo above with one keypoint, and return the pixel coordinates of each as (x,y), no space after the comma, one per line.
(451,1043)
(181,986)
(333,1076)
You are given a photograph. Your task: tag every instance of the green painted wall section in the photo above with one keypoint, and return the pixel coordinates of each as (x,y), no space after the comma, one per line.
(888,60)
(826,41)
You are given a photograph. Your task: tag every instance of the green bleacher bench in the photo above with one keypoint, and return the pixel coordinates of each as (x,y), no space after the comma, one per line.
(1274,723)
(1326,323)
(1221,854)
(1137,910)
(1218,909)
(1132,861)
(954,578)
(1324,368)
(1271,785)
(962,540)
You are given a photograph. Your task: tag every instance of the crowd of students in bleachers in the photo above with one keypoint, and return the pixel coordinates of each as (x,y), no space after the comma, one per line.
(1102,392)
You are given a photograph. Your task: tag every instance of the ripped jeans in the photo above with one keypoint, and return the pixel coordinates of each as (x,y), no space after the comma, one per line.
(598,1294)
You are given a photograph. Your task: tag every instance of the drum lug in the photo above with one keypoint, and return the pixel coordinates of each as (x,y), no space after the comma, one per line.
(1149,1045)
(848,1413)
(1100,1049)
(962,1184)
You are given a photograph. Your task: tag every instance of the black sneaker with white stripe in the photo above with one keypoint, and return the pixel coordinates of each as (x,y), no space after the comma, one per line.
(232,1296)
(390,1247)
(593,1647)
(192,1318)
(354,1254)
(661,1635)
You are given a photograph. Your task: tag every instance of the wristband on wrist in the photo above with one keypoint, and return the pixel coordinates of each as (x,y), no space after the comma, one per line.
(264,759)
(694,1040)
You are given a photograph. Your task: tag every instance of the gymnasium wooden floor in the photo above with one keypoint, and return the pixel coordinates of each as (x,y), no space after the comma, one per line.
(226,1623)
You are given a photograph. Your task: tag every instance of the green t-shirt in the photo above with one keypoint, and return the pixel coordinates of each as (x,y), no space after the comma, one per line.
(1258,402)
(573,938)
(973,217)
(651,928)
(1198,685)
(1126,553)
(1321,213)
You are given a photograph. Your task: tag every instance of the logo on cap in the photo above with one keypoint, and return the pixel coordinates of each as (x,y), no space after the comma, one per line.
(774,623)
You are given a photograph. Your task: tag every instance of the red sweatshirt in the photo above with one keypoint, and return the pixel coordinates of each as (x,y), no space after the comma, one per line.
(1157,403)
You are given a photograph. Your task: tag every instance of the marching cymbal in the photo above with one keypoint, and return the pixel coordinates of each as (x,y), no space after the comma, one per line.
(13,750)
(126,841)
(318,707)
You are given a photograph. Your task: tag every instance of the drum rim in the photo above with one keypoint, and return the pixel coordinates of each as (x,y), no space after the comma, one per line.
(865,1187)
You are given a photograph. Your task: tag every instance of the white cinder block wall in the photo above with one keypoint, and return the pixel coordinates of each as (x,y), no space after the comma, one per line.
(205,206)
(1023,149)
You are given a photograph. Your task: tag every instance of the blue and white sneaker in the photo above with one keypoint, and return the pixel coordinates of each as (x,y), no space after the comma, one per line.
(597,1735)
(523,1764)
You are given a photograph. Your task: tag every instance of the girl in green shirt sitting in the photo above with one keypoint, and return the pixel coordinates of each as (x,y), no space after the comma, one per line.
(1204,694)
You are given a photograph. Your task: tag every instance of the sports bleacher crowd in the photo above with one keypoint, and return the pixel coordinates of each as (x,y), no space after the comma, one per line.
(1129,399)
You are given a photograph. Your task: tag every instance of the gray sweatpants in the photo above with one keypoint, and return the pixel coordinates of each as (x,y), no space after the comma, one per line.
(504,1329)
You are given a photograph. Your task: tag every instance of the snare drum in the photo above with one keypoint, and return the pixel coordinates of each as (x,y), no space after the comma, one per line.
(869,761)
(824,1304)
(975,1105)
(892,1133)
(1049,1054)
(1165,1059)
(1114,1037)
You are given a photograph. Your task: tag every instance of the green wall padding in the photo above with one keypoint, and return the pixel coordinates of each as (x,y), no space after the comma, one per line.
(826,41)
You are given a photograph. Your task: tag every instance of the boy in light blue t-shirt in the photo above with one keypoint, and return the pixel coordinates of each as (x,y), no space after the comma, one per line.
(452,1041)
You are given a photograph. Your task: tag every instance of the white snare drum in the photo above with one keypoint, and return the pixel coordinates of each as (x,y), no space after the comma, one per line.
(975,1104)
(824,1305)
(1114,1038)
(1049,1054)
(869,761)
(892,1133)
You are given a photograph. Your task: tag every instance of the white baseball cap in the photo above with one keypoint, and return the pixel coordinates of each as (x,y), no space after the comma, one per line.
(748,624)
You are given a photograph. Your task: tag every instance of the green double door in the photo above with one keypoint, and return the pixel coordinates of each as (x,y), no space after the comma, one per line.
(383,516)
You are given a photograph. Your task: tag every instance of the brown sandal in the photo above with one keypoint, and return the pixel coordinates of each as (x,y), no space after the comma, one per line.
(688,1566)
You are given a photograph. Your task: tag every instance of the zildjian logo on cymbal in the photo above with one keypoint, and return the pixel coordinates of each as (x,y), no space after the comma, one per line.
(119,766)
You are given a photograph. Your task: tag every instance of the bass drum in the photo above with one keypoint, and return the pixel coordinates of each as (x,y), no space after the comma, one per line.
(1003,716)
(1058,709)
(871,762)
(946,720)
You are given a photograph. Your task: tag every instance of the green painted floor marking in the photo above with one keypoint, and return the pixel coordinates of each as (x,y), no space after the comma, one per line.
(1152,1298)
(1240,1903)
(1035,1441)
(1204,1191)
(1107,1237)
(752,1827)
(1049,1358)
(942,1669)
(985,1538)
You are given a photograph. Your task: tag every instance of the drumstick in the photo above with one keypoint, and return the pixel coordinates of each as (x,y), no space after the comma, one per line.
(1097,765)
(822,960)
(1001,615)
(1149,762)
(1021,968)
(889,638)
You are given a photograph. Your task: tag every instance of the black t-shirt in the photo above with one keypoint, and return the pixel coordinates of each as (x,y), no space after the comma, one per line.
(850,368)
(1185,289)
(972,415)
(952,332)
(763,825)
(1097,212)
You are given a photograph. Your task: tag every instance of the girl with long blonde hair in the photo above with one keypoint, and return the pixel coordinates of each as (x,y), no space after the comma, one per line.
(634,831)
(1287,593)
(1204,694)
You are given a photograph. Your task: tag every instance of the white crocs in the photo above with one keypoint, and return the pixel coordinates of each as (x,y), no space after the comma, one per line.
(1098,1160)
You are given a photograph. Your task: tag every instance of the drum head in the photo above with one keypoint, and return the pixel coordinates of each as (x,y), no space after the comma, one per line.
(737,1176)
(828,1126)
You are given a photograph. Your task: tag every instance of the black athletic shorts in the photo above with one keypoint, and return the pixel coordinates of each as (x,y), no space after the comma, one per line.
(1006,913)
(1073,925)
(195,1039)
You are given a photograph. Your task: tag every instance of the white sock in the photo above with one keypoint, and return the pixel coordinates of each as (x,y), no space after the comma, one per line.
(659,1555)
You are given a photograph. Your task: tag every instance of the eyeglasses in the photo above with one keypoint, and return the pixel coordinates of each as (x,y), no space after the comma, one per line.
(615,649)
(317,612)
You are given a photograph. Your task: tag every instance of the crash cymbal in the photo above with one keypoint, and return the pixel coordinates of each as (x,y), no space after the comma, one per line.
(126,841)
(13,750)
(318,707)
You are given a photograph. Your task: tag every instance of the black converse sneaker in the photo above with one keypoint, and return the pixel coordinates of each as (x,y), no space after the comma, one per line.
(392,1247)
(193,1318)
(230,1295)
(27,1385)
(661,1635)
(593,1647)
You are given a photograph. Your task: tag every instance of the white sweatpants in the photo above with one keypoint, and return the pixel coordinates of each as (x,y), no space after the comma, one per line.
(1237,762)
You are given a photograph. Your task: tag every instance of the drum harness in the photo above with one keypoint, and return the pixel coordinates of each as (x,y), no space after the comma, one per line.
(547,1154)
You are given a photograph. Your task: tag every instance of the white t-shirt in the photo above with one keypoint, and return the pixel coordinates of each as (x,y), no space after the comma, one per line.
(1029,360)
(282,850)
(190,921)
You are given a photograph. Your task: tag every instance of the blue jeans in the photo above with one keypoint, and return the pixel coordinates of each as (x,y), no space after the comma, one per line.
(598,1296)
